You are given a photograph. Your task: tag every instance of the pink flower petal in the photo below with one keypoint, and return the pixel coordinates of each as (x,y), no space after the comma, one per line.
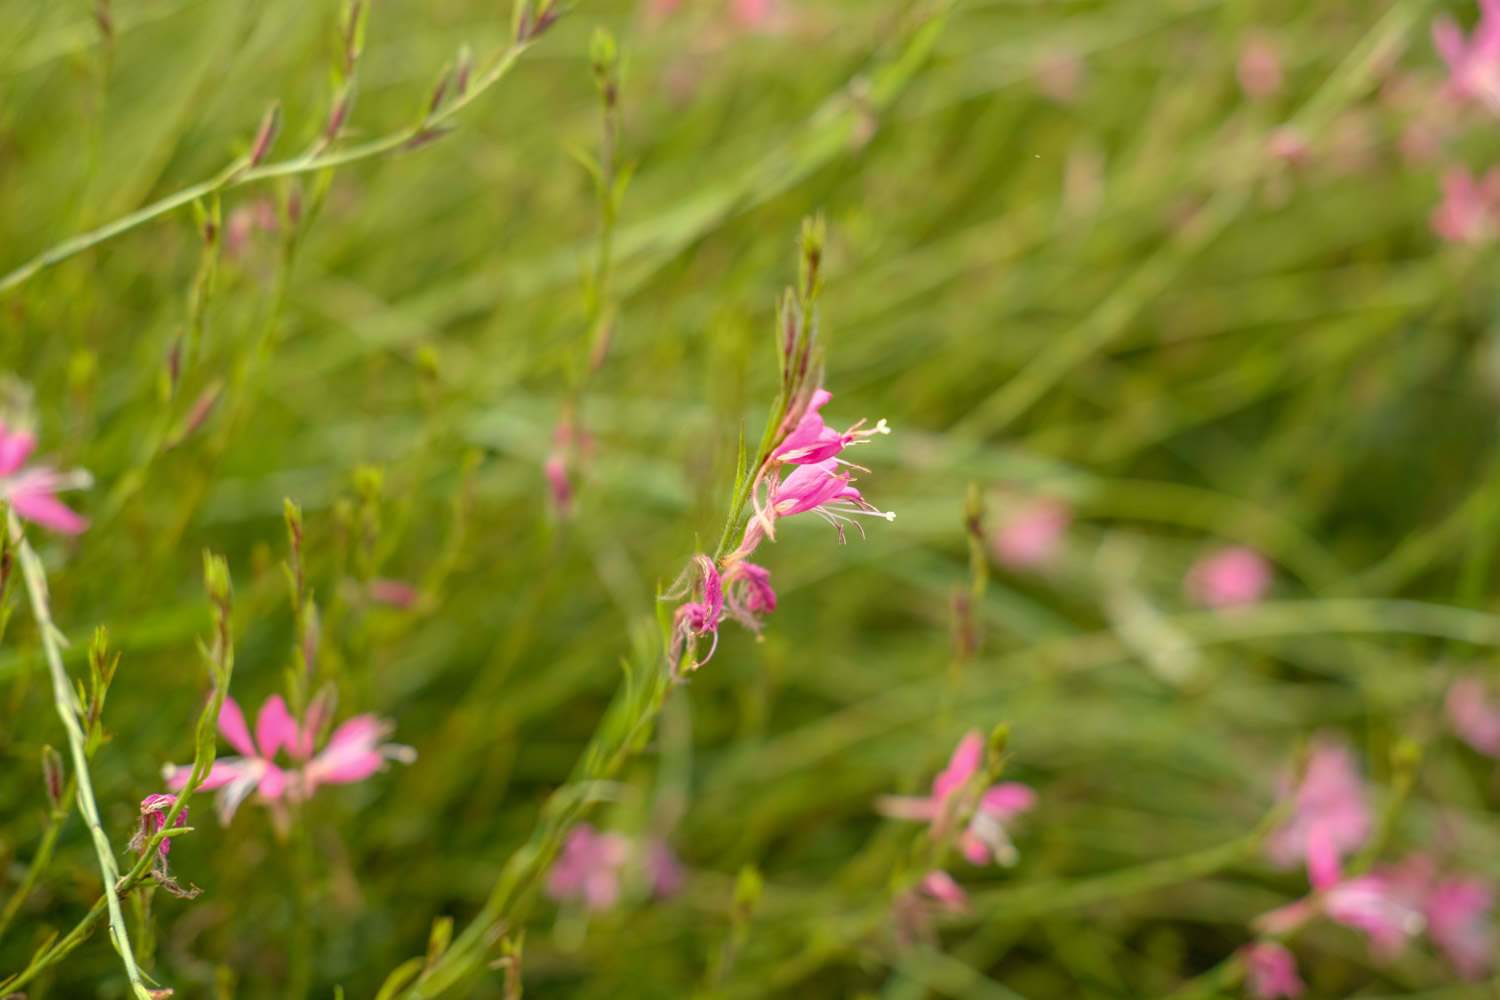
(940,886)
(232,725)
(352,753)
(15,448)
(1271,971)
(275,728)
(962,765)
(1474,717)
(1007,799)
(45,509)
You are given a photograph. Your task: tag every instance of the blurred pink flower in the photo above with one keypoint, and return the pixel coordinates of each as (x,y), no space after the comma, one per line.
(663,871)
(556,471)
(353,753)
(1457,921)
(1271,971)
(1059,76)
(589,867)
(985,838)
(1228,577)
(32,492)
(396,593)
(1467,213)
(1473,63)
(1474,716)
(1287,144)
(940,886)
(1032,535)
(154,809)
(1330,818)
(1259,67)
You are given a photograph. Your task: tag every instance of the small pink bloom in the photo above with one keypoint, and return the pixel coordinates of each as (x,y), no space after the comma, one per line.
(396,593)
(1289,145)
(663,871)
(811,441)
(1386,905)
(820,489)
(589,867)
(354,752)
(1468,211)
(752,13)
(1228,577)
(1330,817)
(700,615)
(1059,76)
(556,471)
(1474,716)
(1457,913)
(154,809)
(32,492)
(1271,971)
(1259,68)
(748,596)
(940,886)
(1033,535)
(985,838)
(1473,63)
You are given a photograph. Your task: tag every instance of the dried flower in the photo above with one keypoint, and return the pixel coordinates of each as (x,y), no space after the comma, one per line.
(154,809)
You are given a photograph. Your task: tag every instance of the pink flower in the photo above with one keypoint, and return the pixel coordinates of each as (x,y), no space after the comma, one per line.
(353,753)
(820,489)
(1473,63)
(396,593)
(748,596)
(985,837)
(1330,815)
(1385,904)
(32,493)
(589,867)
(1033,535)
(699,616)
(1059,76)
(663,871)
(812,441)
(1287,144)
(1467,213)
(1259,68)
(940,886)
(1474,716)
(556,471)
(1228,577)
(1456,912)
(1271,971)
(154,809)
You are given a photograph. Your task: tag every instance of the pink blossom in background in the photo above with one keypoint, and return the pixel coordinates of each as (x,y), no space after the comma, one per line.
(1474,716)
(32,491)
(1331,815)
(1468,211)
(1271,971)
(752,13)
(556,471)
(1033,535)
(1385,904)
(396,593)
(1059,76)
(154,809)
(1259,67)
(985,838)
(245,221)
(1420,144)
(1289,145)
(1228,577)
(940,886)
(664,872)
(1473,62)
(354,752)
(588,869)
(1457,912)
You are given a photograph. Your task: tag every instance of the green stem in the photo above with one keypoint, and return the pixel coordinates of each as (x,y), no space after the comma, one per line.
(240,173)
(39,861)
(68,709)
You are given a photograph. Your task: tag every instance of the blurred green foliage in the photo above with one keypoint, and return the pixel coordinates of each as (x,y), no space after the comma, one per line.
(1060,262)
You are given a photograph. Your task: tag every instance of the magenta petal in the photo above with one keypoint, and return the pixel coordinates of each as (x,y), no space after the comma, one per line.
(940,886)
(1007,799)
(963,763)
(41,506)
(351,753)
(272,782)
(15,448)
(275,728)
(232,725)
(1448,39)
(973,849)
(221,773)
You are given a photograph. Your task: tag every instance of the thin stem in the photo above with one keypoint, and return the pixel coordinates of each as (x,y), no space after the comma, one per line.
(39,861)
(240,173)
(69,710)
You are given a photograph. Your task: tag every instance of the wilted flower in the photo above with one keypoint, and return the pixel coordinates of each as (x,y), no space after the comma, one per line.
(1271,971)
(985,838)
(748,596)
(32,492)
(1469,209)
(1032,535)
(1259,67)
(353,753)
(700,615)
(154,809)
(1473,63)
(1228,577)
(1474,716)
(1330,817)
(589,867)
